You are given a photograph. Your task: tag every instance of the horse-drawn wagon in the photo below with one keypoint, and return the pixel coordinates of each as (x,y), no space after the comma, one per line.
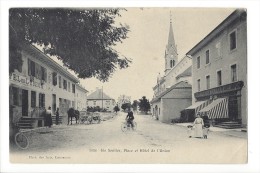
(89,117)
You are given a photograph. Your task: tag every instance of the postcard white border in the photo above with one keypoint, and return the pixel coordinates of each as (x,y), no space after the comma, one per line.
(253,90)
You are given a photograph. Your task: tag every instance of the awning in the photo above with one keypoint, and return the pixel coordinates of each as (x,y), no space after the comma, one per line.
(217,109)
(199,105)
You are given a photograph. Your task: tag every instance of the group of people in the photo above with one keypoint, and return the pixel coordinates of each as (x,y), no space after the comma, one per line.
(199,129)
(48,117)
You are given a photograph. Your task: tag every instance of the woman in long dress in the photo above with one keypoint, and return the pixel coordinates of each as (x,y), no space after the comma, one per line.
(198,125)
(48,119)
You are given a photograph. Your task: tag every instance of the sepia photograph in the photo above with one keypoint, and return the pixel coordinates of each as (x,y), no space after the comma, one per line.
(127,85)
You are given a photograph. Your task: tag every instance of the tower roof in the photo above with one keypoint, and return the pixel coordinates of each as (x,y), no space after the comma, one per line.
(171,41)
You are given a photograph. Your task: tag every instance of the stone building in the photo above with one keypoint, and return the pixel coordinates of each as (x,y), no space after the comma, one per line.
(220,72)
(81,97)
(100,99)
(40,83)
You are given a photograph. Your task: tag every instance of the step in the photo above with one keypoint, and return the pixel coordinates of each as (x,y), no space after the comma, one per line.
(232,122)
(228,127)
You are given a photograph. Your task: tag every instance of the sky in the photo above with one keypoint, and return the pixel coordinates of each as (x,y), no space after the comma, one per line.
(146,43)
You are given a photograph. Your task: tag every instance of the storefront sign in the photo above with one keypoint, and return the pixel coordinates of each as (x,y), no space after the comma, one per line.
(26,81)
(220,90)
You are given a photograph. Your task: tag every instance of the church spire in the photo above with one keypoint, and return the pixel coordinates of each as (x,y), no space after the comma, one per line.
(171,41)
(171,57)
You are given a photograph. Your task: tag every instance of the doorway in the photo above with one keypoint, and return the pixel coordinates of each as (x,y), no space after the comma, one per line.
(233,108)
(25,103)
(53,103)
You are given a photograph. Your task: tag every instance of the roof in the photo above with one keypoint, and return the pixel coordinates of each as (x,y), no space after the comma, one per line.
(187,72)
(178,85)
(171,41)
(81,88)
(223,25)
(98,95)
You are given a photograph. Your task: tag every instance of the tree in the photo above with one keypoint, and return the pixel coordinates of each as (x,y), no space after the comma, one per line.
(116,108)
(134,105)
(144,105)
(126,106)
(82,38)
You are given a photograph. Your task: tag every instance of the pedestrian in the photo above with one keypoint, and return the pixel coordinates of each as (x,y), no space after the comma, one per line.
(205,131)
(57,116)
(198,124)
(189,131)
(48,118)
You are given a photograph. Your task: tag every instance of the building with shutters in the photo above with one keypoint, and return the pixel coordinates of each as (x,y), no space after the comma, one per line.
(39,83)
(81,97)
(220,72)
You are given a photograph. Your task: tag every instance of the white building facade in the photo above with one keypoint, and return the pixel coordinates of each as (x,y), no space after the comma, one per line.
(39,84)
(220,70)
(81,98)
(100,99)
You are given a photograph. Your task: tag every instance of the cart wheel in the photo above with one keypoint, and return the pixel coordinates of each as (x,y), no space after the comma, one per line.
(124,127)
(82,121)
(21,141)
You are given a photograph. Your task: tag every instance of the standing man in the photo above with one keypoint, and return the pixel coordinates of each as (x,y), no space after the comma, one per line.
(57,116)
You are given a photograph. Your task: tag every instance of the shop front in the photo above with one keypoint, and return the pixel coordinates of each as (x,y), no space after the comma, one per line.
(226,102)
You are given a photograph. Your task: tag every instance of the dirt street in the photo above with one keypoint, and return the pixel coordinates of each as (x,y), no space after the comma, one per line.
(152,142)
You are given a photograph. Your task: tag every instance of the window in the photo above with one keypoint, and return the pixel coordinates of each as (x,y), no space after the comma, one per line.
(69,86)
(208,82)
(31,68)
(41,100)
(59,81)
(207,56)
(37,71)
(219,78)
(54,78)
(173,63)
(94,103)
(234,73)
(73,88)
(198,81)
(232,40)
(64,84)
(33,99)
(198,62)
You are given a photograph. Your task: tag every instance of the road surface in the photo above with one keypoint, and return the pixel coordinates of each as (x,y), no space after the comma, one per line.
(152,142)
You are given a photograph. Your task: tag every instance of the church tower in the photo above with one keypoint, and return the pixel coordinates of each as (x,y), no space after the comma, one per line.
(171,55)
